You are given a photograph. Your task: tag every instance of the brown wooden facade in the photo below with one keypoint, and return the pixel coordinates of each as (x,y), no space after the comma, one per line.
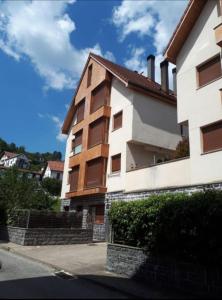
(92,114)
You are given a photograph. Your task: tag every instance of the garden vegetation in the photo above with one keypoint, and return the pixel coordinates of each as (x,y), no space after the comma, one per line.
(182,226)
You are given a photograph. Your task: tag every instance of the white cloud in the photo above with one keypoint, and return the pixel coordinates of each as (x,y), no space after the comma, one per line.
(153,18)
(148,19)
(40,31)
(58,123)
(60,137)
(136,61)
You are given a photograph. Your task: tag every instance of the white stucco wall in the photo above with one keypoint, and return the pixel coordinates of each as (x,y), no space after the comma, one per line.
(121,99)
(65,185)
(155,122)
(168,175)
(200,106)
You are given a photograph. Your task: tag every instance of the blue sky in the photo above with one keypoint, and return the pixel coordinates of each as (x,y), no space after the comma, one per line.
(43,48)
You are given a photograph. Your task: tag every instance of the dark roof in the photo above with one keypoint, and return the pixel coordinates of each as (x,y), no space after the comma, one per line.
(132,77)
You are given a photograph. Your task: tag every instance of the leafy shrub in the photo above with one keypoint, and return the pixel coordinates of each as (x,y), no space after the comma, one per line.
(182,149)
(17,191)
(179,225)
(52,186)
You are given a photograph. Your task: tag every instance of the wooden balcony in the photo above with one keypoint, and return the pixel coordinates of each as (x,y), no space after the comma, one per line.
(85,192)
(101,150)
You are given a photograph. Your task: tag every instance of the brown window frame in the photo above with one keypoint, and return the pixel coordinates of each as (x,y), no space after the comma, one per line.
(113,157)
(116,115)
(89,75)
(103,172)
(69,182)
(99,217)
(204,66)
(206,142)
(80,132)
(104,138)
(102,86)
(82,102)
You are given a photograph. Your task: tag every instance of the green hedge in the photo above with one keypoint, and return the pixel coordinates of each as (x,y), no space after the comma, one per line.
(188,227)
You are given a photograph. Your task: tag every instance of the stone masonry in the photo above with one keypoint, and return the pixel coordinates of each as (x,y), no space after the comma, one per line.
(163,271)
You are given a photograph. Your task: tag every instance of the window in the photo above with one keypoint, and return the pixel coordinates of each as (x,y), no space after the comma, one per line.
(99,214)
(95,172)
(89,77)
(99,97)
(77,143)
(98,132)
(212,137)
(57,176)
(117,120)
(79,114)
(116,163)
(73,179)
(209,71)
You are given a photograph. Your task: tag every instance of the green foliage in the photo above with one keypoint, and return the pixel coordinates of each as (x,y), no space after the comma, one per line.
(17,191)
(52,186)
(182,149)
(179,225)
(38,160)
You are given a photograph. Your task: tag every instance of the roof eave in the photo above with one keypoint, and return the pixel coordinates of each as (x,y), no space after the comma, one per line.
(183,29)
(165,98)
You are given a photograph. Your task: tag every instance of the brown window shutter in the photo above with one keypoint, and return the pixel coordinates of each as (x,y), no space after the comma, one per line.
(116,163)
(212,137)
(97,132)
(78,139)
(99,216)
(80,111)
(117,120)
(99,97)
(94,173)
(89,77)
(73,178)
(209,71)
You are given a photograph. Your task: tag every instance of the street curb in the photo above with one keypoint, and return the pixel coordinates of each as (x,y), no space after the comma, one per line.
(83,277)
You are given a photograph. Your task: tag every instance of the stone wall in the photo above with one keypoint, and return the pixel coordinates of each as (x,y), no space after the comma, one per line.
(98,232)
(164,272)
(46,236)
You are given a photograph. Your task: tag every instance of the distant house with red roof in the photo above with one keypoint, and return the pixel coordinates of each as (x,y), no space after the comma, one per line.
(10,159)
(54,169)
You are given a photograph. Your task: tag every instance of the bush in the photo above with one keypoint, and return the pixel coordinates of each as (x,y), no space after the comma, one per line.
(182,149)
(52,186)
(184,226)
(17,191)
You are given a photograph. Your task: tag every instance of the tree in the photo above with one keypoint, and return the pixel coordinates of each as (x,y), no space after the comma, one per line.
(52,186)
(182,149)
(17,191)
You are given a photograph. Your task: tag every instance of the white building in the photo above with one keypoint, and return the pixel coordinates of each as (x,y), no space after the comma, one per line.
(54,169)
(119,121)
(9,159)
(195,48)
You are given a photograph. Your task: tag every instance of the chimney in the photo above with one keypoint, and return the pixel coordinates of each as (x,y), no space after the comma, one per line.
(164,76)
(151,67)
(174,72)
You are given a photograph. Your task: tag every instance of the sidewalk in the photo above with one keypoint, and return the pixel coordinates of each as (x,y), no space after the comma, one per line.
(88,262)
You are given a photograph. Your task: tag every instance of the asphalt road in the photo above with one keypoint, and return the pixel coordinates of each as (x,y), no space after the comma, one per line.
(23,278)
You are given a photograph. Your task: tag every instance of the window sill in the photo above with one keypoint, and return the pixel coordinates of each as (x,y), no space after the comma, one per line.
(114,174)
(202,86)
(117,128)
(212,151)
(102,143)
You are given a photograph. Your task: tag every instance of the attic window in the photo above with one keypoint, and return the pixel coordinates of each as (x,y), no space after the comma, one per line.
(89,76)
